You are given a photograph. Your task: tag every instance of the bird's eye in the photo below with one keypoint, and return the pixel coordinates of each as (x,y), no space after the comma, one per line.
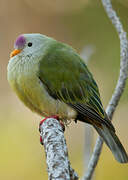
(29,44)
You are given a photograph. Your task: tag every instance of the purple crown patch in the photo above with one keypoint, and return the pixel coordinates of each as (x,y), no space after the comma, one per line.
(20,42)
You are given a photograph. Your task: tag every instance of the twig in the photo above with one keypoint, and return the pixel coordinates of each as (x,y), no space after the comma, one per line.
(88,144)
(56,151)
(86,54)
(120,84)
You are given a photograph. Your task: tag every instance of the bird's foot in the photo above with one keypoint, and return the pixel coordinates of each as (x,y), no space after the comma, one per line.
(42,121)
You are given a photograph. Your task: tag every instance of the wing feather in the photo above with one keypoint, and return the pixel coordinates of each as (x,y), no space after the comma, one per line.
(68,79)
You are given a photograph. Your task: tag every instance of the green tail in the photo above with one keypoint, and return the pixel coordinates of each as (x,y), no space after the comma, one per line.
(113,143)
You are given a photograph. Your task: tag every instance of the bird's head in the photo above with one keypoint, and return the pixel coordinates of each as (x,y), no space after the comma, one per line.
(28,44)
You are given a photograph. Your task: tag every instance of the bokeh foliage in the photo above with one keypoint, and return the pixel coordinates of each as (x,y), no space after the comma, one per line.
(78,23)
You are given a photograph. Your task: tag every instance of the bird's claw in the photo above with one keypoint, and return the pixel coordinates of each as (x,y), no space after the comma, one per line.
(42,121)
(62,125)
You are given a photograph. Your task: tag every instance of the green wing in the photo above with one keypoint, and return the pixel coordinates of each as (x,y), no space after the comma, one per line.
(67,78)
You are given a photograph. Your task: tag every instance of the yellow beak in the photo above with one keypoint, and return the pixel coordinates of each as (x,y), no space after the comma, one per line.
(15,52)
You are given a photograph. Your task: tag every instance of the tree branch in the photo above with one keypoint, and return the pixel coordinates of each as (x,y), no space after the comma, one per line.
(120,83)
(56,151)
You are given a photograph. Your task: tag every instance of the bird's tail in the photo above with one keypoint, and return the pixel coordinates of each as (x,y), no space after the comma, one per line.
(113,143)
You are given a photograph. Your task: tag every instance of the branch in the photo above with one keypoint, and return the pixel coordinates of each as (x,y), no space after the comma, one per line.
(120,83)
(88,144)
(56,151)
(86,54)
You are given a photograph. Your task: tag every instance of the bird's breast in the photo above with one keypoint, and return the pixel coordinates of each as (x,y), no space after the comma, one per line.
(31,91)
(23,80)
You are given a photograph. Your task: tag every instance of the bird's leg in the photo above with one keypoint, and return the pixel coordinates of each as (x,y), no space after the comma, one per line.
(42,121)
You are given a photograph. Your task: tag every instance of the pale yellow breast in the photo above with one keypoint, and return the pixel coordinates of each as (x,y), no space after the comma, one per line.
(28,87)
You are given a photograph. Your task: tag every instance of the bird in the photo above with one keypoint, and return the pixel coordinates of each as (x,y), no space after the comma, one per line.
(51,79)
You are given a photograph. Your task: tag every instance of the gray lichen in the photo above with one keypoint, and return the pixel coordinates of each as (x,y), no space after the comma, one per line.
(56,151)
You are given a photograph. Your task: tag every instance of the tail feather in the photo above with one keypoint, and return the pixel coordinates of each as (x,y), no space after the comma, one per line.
(113,143)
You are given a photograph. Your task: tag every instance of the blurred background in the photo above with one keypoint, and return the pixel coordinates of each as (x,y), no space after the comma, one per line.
(82,24)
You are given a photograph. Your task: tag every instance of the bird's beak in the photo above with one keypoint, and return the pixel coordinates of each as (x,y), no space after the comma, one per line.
(15,52)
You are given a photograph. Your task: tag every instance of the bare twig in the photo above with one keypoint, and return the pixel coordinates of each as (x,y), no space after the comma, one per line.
(88,145)
(56,151)
(120,84)
(86,54)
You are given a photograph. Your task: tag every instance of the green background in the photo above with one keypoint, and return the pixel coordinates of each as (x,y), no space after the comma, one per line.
(79,23)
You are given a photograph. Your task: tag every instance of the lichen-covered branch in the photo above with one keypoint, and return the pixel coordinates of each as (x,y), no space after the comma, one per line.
(120,83)
(56,151)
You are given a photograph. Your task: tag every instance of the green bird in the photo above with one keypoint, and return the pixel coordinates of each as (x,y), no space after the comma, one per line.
(52,79)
